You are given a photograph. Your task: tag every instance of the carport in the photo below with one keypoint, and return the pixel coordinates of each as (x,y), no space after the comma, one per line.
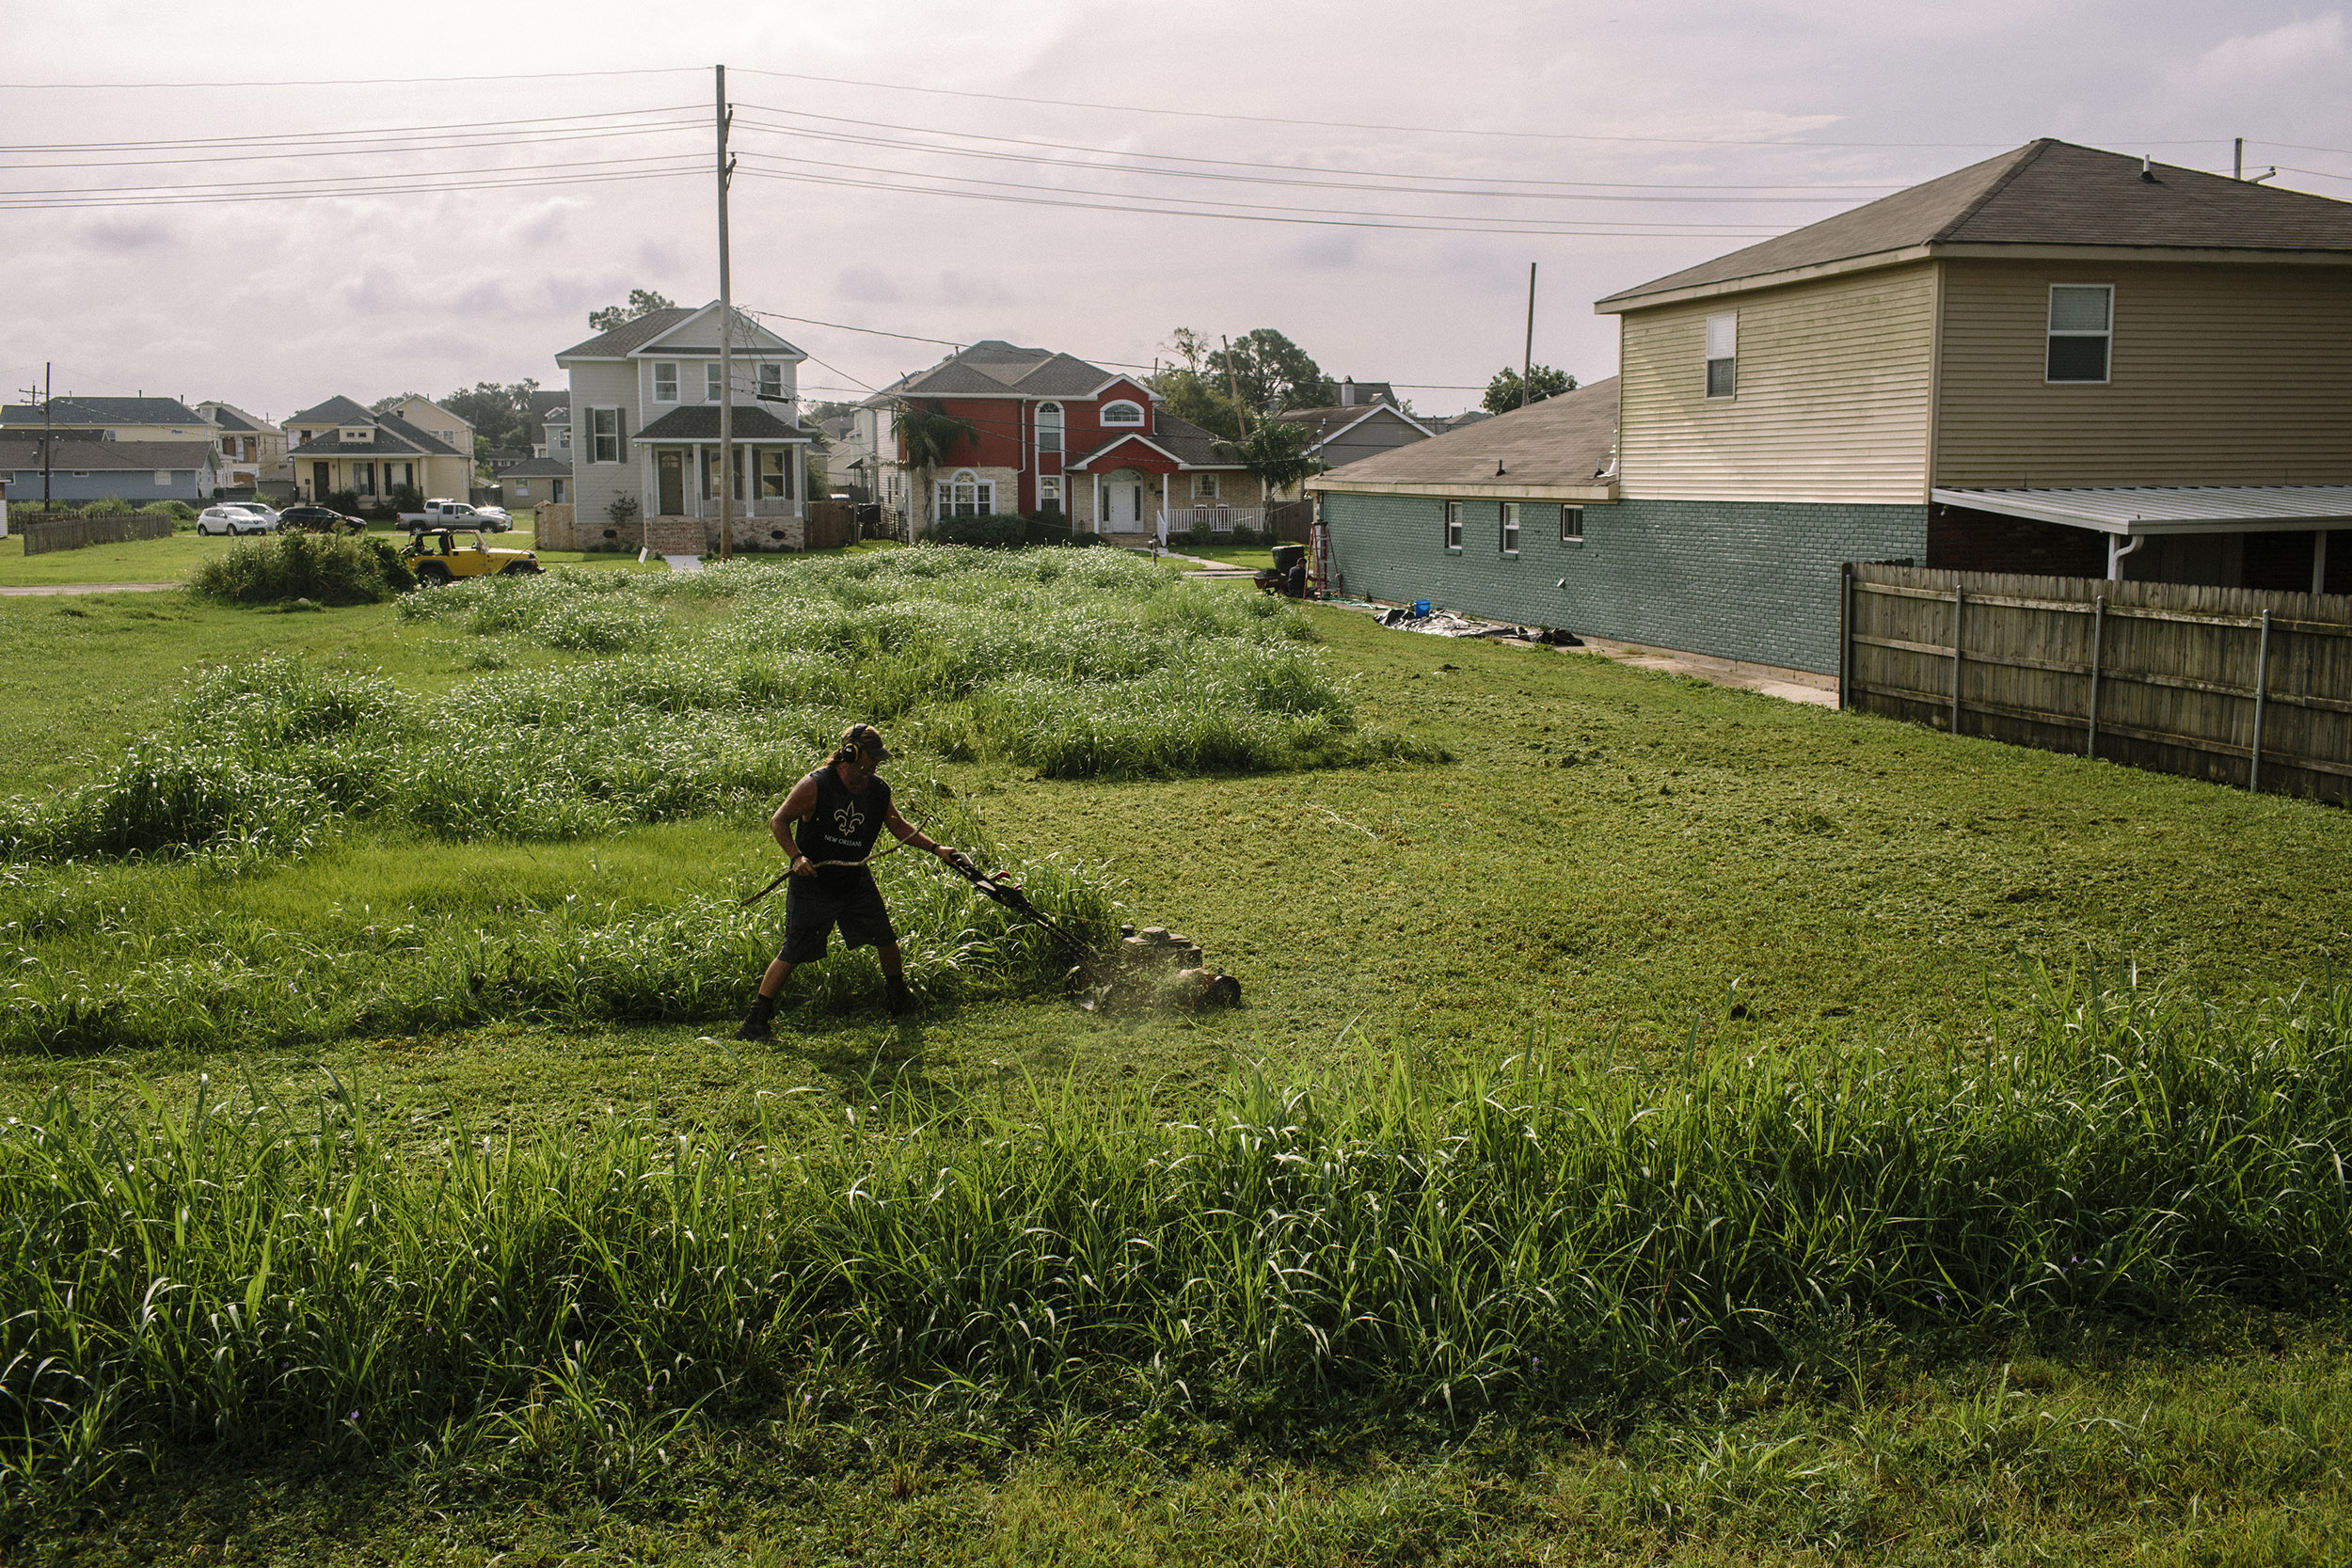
(2189,533)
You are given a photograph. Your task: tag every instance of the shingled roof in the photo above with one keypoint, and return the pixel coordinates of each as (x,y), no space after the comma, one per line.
(19,451)
(389,435)
(994,366)
(334,410)
(1568,439)
(1324,423)
(2047,193)
(699,422)
(630,335)
(104,411)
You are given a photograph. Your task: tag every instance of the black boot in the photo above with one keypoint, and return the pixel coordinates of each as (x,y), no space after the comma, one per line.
(756,1027)
(899,1000)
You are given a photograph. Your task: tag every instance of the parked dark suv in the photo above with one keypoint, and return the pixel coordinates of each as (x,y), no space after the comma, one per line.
(319,519)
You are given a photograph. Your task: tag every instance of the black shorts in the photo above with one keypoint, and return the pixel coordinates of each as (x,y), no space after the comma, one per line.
(811,907)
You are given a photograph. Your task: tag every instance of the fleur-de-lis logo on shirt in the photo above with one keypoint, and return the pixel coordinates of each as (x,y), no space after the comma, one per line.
(847,820)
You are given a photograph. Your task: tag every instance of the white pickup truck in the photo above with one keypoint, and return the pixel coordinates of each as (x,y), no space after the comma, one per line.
(449,513)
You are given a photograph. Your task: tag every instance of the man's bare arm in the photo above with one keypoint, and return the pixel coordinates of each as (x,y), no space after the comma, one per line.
(796,805)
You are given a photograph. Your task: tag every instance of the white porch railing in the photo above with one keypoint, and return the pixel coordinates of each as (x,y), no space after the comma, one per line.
(1221,519)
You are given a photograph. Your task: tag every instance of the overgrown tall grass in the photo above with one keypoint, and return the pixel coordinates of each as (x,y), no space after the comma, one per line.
(331,569)
(220,1273)
(90,978)
(704,693)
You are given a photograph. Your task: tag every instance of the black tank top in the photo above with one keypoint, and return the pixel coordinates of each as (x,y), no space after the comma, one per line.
(843,826)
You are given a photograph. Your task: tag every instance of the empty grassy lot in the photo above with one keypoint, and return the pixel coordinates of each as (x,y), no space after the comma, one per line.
(1648,877)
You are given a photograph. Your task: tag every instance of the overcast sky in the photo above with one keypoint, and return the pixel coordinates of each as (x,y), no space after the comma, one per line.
(1710,126)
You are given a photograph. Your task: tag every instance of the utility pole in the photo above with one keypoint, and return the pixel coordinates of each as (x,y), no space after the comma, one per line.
(1527,354)
(40,394)
(727,338)
(2237,160)
(1232,386)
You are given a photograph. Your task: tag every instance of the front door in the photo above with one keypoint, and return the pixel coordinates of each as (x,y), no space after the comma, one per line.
(1122,502)
(670,470)
(319,482)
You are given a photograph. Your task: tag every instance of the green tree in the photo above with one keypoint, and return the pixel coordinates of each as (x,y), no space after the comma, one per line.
(1271,373)
(641,302)
(499,415)
(928,439)
(1504,393)
(1191,395)
(1275,451)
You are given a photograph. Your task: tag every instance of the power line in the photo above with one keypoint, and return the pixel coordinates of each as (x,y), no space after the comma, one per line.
(93,203)
(352,81)
(844,326)
(347,185)
(1617,194)
(1033,102)
(470,144)
(289,137)
(1416,223)
(1246,163)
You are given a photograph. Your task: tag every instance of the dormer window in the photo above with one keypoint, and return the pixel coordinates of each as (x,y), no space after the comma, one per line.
(665,383)
(354,432)
(1121,412)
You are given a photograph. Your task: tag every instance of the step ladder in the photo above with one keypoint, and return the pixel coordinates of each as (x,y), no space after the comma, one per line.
(1322,578)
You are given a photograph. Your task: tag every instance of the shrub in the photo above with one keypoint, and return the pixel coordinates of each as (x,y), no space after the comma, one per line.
(325,568)
(1243,536)
(1200,534)
(340,501)
(406,498)
(992,529)
(111,506)
(1049,527)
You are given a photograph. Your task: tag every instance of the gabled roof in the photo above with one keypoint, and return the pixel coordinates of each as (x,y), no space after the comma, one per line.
(2047,193)
(619,341)
(334,410)
(1567,439)
(538,468)
(1324,423)
(18,451)
(699,422)
(995,366)
(227,416)
(104,411)
(757,340)
(1188,444)
(423,441)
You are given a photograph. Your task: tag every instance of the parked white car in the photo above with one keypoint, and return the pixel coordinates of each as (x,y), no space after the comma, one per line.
(263,510)
(232,519)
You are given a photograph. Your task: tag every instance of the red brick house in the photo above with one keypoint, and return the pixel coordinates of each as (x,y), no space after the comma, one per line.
(1055,434)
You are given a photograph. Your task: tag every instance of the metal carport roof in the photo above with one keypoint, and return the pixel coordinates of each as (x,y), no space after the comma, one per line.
(2142,509)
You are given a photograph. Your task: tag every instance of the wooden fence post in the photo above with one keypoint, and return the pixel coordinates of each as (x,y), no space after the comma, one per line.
(2262,680)
(1960,608)
(2098,639)
(1845,633)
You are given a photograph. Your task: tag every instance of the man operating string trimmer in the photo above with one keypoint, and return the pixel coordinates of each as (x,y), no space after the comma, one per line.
(839,810)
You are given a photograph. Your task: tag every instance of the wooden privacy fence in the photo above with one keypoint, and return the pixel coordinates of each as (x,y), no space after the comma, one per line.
(75,533)
(831,525)
(1288,521)
(2227,683)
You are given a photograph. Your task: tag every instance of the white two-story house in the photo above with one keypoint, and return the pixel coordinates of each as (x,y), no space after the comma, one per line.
(645,426)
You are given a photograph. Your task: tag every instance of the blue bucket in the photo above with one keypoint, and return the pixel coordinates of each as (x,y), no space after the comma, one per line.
(1420,607)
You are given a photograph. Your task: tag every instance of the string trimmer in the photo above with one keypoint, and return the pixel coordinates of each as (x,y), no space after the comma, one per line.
(999,887)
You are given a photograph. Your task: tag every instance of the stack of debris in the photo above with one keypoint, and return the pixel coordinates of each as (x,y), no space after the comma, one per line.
(1154,967)
(1445,623)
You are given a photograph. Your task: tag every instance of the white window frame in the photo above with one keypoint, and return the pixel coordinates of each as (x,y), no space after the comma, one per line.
(775,464)
(1050,423)
(1112,407)
(712,386)
(598,435)
(2105,335)
(963,489)
(1571,525)
(1049,495)
(665,381)
(771,382)
(1722,348)
(522,488)
(1510,531)
(163,476)
(1204,487)
(1453,526)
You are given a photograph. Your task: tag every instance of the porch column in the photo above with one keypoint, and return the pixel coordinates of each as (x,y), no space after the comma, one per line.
(2319,560)
(700,470)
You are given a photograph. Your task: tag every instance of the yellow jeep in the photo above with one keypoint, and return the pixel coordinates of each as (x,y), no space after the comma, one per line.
(446,554)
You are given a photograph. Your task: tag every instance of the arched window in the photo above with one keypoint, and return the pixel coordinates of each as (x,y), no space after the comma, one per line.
(1123,412)
(1049,427)
(967,495)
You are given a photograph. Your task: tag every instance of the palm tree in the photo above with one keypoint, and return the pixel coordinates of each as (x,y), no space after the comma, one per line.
(928,437)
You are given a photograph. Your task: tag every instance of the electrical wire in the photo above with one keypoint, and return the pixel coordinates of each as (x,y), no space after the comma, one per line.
(93,203)
(352,81)
(469,143)
(1033,102)
(289,137)
(352,184)
(1425,224)
(1244,162)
